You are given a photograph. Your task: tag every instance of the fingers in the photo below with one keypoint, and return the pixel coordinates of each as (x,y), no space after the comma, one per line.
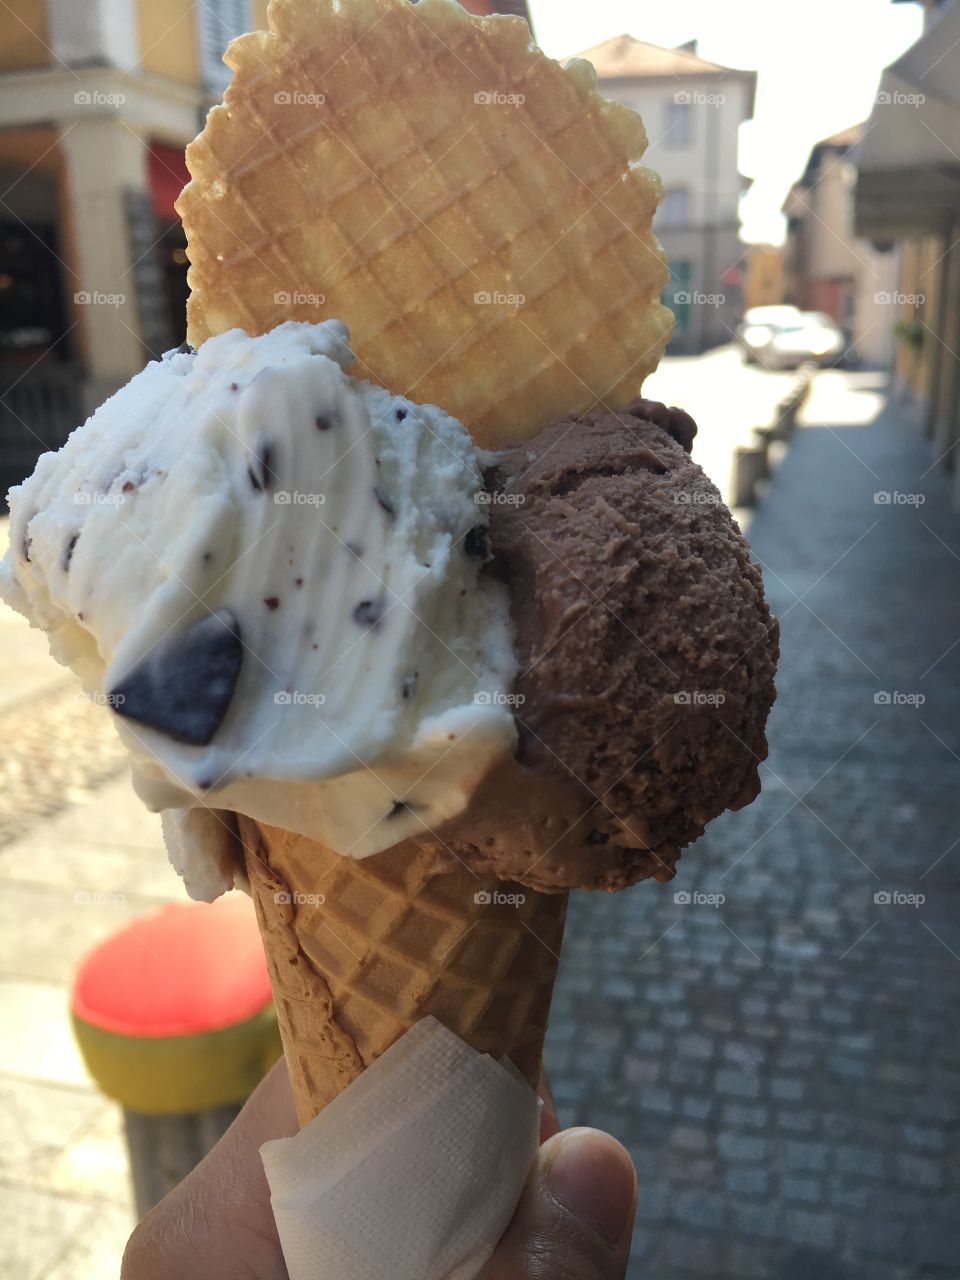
(575,1217)
(218,1222)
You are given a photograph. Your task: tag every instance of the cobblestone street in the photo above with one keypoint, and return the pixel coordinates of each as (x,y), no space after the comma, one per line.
(785,1066)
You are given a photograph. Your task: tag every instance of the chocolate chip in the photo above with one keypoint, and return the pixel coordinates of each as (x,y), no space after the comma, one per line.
(409,686)
(355,549)
(401,807)
(383,500)
(234,386)
(260,472)
(185,349)
(272,602)
(183,688)
(68,551)
(401,414)
(127,487)
(207,557)
(477,542)
(325,421)
(25,547)
(298,582)
(368,613)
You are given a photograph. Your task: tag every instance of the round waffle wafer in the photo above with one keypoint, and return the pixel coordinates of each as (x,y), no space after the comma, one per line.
(472,210)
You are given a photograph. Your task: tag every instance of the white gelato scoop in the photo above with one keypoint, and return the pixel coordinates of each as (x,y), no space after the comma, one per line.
(270,571)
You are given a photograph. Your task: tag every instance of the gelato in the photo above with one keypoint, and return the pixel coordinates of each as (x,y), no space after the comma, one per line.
(271,573)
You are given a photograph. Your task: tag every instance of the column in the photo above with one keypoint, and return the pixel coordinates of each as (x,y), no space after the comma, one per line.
(104,161)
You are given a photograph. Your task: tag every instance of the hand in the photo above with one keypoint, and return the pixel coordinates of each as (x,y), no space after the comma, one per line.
(573,1220)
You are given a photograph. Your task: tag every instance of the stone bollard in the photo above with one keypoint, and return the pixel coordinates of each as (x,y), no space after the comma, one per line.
(175,1021)
(786,418)
(748,468)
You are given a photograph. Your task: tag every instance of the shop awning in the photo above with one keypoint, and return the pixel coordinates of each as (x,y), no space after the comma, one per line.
(909,159)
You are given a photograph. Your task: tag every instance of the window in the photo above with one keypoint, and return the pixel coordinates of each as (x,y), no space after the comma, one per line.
(673,208)
(676,131)
(219,21)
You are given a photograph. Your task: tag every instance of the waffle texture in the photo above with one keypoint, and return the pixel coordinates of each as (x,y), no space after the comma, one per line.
(473,211)
(361,949)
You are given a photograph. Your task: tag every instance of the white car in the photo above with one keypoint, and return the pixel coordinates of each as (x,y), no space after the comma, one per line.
(786,337)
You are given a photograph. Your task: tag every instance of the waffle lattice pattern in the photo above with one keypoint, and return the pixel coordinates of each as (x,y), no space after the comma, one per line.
(473,211)
(360,950)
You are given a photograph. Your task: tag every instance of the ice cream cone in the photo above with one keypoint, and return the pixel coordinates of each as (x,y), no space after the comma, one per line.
(361,949)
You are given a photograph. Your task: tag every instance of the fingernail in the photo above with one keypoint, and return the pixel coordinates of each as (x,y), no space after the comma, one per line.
(592,1176)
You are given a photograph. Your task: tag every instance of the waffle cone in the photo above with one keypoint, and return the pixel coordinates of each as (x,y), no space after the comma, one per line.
(361,949)
(474,212)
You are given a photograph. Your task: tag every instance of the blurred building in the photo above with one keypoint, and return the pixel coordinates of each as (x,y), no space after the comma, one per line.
(692,110)
(908,190)
(763,281)
(827,267)
(98,99)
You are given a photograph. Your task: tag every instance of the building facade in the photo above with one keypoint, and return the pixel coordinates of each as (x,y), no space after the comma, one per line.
(908,190)
(692,110)
(827,266)
(98,99)
(763,284)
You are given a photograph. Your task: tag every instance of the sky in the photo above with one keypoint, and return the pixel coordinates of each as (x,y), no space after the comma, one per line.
(819,63)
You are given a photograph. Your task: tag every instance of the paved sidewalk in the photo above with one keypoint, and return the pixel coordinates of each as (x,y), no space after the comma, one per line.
(63,1167)
(786,1066)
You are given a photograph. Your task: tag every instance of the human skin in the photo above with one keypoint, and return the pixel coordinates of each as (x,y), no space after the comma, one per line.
(574,1219)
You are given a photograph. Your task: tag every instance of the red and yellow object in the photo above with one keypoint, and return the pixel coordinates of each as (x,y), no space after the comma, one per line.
(174,1013)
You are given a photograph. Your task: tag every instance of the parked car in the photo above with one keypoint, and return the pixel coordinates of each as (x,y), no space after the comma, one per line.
(785,337)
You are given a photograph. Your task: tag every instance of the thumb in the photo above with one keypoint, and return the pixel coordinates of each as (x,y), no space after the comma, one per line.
(575,1215)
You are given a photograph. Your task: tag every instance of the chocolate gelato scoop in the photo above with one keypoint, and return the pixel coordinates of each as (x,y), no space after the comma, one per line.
(647,656)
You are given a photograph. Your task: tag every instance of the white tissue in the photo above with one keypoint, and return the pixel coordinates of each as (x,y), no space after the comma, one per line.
(413,1172)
